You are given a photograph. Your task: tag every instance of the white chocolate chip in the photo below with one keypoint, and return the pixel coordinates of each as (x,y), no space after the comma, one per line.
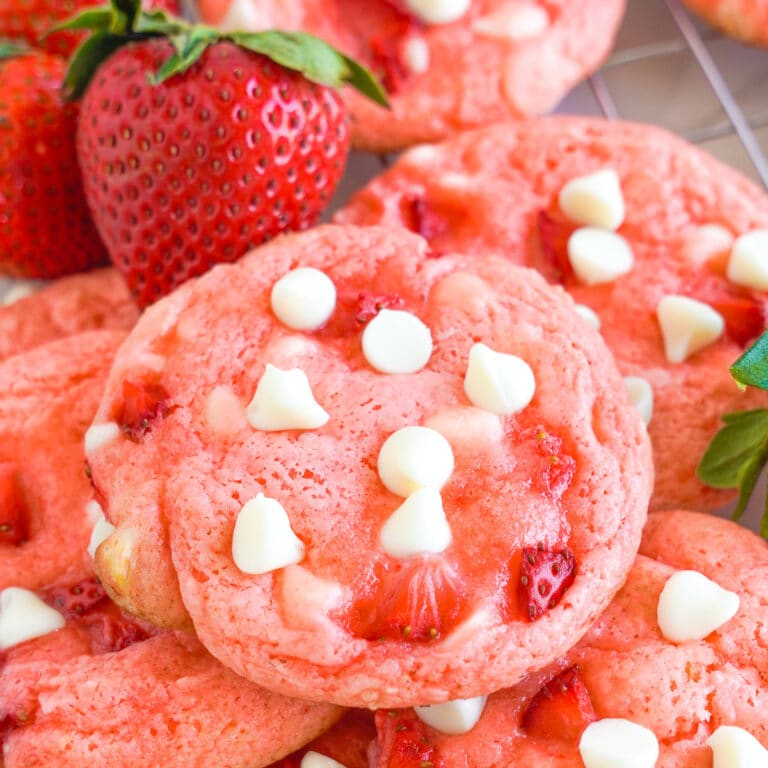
(99,435)
(513,21)
(418,526)
(438,11)
(316,760)
(641,395)
(223,411)
(733,747)
(19,289)
(303,299)
(416,55)
(498,382)
(594,200)
(687,326)
(618,743)
(263,540)
(413,458)
(599,256)
(457,716)
(397,342)
(748,264)
(706,241)
(284,400)
(241,15)
(691,606)
(24,616)
(102,530)
(589,315)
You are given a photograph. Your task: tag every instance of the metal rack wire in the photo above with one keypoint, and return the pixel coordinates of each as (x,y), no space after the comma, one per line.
(696,42)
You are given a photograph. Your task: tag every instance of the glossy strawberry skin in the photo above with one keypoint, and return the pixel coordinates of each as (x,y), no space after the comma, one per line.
(30,20)
(207,165)
(561,709)
(143,404)
(545,576)
(13,522)
(403,741)
(45,226)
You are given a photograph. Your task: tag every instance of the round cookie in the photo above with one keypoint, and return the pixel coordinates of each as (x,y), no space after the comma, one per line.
(48,397)
(432,533)
(497,190)
(746,20)
(103,690)
(97,300)
(494,59)
(625,668)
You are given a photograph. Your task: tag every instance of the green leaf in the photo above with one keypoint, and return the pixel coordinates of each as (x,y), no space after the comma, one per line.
(751,369)
(737,455)
(9,50)
(315,59)
(188,48)
(95,19)
(86,59)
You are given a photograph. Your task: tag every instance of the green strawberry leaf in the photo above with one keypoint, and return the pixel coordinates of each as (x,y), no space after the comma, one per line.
(751,369)
(86,61)
(96,20)
(9,50)
(737,455)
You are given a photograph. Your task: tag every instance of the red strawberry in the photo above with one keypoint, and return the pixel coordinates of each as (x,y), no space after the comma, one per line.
(13,516)
(420,218)
(226,150)
(561,709)
(554,231)
(75,600)
(142,405)
(403,742)
(417,600)
(30,20)
(552,469)
(355,308)
(45,227)
(370,304)
(744,317)
(545,575)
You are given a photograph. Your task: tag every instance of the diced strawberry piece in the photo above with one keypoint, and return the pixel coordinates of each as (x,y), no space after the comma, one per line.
(420,218)
(13,514)
(403,741)
(395,26)
(545,576)
(554,469)
(143,405)
(554,232)
(75,600)
(744,317)
(417,600)
(561,709)
(370,304)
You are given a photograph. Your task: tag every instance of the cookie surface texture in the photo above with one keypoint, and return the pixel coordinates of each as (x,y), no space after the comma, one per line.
(448,470)
(676,211)
(453,66)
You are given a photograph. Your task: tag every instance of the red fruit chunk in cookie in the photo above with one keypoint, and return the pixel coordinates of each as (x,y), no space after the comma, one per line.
(554,232)
(744,317)
(418,601)
(561,709)
(13,524)
(545,575)
(370,304)
(404,742)
(554,472)
(420,218)
(142,405)
(75,600)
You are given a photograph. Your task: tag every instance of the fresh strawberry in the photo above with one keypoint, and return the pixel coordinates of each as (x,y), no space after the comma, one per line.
(561,709)
(420,218)
(13,514)
(226,149)
(417,600)
(545,576)
(142,405)
(552,469)
(31,20)
(554,231)
(402,741)
(87,605)
(45,227)
(744,317)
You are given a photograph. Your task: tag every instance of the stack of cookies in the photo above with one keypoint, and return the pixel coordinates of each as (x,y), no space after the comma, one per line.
(416,488)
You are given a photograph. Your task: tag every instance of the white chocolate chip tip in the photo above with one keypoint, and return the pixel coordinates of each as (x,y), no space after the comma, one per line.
(514,21)
(748,262)
(396,341)
(418,526)
(101,531)
(99,435)
(453,717)
(438,11)
(315,760)
(733,747)
(618,743)
(599,256)
(594,200)
(687,326)
(641,395)
(303,299)
(24,616)
(497,382)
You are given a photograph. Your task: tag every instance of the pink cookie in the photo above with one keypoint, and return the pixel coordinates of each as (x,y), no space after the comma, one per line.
(48,397)
(678,213)
(450,64)
(105,691)
(746,20)
(625,668)
(87,302)
(479,543)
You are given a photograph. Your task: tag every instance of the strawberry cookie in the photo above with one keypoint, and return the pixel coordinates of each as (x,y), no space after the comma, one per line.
(659,244)
(48,397)
(384,476)
(673,675)
(447,64)
(86,302)
(83,686)
(745,20)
